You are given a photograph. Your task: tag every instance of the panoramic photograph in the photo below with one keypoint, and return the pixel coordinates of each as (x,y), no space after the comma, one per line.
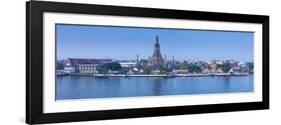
(94,62)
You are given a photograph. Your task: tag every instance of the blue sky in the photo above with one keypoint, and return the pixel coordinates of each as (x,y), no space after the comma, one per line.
(120,43)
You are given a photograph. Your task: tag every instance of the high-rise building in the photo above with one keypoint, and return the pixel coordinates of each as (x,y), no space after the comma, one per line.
(156,60)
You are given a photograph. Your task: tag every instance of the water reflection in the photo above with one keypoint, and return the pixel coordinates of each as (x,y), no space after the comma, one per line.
(79,87)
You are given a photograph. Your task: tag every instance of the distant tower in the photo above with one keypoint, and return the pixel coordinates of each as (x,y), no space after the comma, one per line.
(165,58)
(137,61)
(156,60)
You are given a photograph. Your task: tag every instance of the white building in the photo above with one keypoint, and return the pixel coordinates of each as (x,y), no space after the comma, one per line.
(75,65)
(127,64)
(87,68)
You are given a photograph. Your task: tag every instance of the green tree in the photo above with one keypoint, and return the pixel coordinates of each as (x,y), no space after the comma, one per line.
(163,69)
(184,65)
(114,66)
(251,66)
(124,70)
(147,70)
(194,68)
(225,67)
(59,66)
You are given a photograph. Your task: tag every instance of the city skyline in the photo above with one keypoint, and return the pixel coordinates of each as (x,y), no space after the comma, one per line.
(123,43)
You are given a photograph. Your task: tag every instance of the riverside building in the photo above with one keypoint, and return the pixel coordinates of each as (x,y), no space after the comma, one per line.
(75,65)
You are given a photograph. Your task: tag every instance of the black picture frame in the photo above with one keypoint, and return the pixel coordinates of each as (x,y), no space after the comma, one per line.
(34,61)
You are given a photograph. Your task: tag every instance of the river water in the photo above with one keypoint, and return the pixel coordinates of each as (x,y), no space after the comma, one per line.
(83,87)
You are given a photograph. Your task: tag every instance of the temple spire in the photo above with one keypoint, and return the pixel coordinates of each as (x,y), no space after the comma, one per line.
(156,60)
(157,39)
(157,45)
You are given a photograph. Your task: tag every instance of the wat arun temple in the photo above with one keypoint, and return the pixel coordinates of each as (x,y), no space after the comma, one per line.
(156,60)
